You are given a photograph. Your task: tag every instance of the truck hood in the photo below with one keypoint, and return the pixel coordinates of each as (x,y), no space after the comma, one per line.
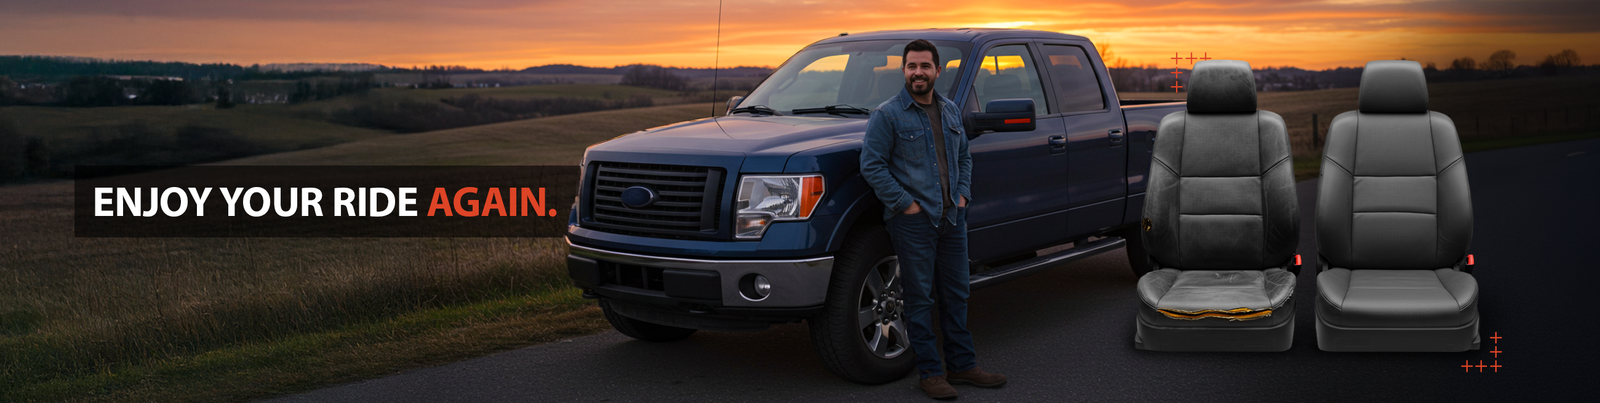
(764,142)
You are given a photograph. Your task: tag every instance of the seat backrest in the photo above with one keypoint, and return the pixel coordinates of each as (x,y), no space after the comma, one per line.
(1001,86)
(1221,192)
(888,84)
(1394,185)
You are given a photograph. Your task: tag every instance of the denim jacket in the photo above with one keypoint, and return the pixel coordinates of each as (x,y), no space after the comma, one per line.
(897,156)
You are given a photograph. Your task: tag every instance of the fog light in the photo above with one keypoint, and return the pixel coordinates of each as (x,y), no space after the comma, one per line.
(763,288)
(754,287)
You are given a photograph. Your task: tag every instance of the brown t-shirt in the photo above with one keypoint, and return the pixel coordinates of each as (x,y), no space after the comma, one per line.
(936,121)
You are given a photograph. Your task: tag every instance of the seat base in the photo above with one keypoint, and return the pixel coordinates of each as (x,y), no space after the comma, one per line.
(1273,338)
(1457,339)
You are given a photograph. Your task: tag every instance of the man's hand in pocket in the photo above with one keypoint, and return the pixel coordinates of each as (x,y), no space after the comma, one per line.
(915,208)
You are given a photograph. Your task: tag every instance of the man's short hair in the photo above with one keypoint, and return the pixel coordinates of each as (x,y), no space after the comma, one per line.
(921,45)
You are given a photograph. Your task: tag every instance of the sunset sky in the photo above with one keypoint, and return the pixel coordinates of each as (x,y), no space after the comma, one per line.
(503,33)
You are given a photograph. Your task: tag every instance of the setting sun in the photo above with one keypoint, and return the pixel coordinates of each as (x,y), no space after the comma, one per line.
(491,34)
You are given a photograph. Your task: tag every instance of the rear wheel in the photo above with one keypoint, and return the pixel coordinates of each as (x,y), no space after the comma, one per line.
(861,332)
(642,330)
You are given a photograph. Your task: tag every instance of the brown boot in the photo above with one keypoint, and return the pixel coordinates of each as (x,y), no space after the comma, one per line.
(976,377)
(936,387)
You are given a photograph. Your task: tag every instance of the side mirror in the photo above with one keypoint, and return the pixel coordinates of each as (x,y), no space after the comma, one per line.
(1005,115)
(734,103)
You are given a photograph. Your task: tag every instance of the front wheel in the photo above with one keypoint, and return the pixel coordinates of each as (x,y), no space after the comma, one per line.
(642,330)
(861,332)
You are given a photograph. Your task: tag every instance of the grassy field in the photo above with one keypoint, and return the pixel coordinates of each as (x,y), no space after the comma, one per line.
(194,319)
(386,95)
(1486,112)
(188,134)
(270,125)
(296,126)
(552,140)
(235,319)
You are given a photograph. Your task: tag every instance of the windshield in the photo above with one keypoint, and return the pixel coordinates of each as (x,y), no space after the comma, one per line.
(860,74)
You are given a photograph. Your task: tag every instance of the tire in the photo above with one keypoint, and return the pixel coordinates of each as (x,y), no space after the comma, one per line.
(1138,259)
(642,330)
(849,333)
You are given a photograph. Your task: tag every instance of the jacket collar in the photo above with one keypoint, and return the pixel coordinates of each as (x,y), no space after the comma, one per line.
(907,102)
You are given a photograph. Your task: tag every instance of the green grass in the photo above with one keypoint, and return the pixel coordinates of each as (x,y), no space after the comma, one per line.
(304,361)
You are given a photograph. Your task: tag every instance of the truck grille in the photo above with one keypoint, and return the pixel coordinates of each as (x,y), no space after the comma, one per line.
(628,275)
(688,207)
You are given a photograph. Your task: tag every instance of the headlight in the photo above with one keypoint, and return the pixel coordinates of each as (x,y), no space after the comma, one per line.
(767,198)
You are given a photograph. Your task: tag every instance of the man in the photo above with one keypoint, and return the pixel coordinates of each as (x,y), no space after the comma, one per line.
(915,158)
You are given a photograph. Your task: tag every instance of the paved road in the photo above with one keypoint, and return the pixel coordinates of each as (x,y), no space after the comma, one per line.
(1067,334)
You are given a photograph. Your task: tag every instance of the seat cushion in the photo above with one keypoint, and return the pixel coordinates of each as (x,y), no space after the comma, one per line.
(1397,298)
(1218,294)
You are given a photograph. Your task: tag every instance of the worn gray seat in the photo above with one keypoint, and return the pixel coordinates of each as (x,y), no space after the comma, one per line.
(1221,223)
(1393,222)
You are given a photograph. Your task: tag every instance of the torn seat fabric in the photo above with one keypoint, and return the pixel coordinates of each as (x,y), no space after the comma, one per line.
(1236,295)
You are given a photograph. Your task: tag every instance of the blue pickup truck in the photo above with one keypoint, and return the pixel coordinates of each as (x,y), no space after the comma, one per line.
(761,217)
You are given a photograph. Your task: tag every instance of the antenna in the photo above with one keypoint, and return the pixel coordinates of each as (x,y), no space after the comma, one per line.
(716,60)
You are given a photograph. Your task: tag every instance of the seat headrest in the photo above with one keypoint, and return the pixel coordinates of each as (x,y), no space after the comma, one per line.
(1222,86)
(1394,86)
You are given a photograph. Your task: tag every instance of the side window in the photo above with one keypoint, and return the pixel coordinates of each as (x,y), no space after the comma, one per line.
(1008,72)
(1076,87)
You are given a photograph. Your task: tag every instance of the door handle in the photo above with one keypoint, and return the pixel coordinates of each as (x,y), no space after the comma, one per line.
(1058,144)
(1116,137)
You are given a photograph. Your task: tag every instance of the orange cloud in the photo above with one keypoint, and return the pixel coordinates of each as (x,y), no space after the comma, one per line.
(494,34)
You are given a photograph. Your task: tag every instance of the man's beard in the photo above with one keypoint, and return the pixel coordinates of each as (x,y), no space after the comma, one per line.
(928,86)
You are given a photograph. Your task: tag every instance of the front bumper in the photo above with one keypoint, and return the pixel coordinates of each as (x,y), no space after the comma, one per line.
(700,293)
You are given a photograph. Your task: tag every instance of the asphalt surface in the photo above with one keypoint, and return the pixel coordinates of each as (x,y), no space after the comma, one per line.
(1067,334)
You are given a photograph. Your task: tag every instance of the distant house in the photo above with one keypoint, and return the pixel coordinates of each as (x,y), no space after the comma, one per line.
(128,78)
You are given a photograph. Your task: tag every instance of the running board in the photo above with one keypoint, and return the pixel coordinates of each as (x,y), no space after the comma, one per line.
(1019,269)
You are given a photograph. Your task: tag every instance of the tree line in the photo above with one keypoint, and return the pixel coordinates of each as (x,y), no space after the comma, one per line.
(1500,64)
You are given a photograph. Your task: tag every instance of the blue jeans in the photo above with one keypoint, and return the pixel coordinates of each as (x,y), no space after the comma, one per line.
(933,264)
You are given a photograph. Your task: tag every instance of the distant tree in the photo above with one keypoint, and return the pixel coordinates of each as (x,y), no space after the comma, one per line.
(1560,61)
(653,76)
(224,97)
(302,92)
(11,163)
(36,157)
(54,68)
(84,91)
(8,91)
(166,92)
(1430,67)
(1110,57)
(1501,60)
(1464,64)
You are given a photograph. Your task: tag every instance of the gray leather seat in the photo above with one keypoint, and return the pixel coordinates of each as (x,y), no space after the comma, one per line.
(1394,220)
(1221,222)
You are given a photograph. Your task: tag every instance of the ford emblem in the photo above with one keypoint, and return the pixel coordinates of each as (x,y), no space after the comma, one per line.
(639,197)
